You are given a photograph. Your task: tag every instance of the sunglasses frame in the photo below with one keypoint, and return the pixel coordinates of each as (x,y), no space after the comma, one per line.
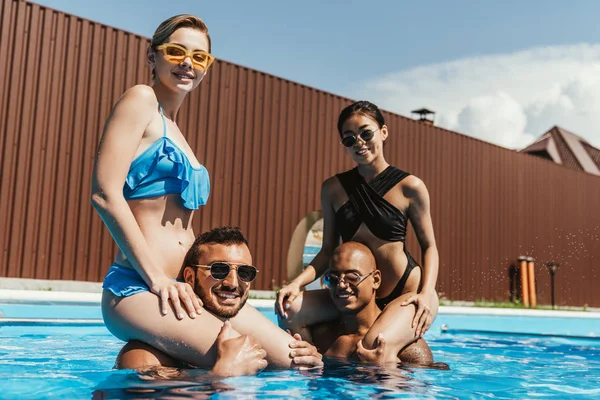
(343,278)
(232,266)
(178,59)
(355,139)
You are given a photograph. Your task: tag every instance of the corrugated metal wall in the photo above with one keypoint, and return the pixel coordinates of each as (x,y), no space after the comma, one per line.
(268,144)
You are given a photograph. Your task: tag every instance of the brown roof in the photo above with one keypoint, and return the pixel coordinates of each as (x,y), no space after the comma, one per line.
(568,149)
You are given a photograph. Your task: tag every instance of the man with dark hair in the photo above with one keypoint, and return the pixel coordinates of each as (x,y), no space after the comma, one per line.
(215,298)
(219,268)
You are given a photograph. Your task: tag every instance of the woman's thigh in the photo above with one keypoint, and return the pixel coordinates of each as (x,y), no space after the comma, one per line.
(309,308)
(275,341)
(394,324)
(138,317)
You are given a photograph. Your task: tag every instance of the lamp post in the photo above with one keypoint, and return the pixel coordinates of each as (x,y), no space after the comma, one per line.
(552,269)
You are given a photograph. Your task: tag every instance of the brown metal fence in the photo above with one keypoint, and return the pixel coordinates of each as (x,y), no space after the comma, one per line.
(268,144)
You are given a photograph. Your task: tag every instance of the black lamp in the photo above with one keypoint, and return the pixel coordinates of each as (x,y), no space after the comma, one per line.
(552,269)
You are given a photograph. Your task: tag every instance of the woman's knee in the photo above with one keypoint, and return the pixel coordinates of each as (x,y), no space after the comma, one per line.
(394,324)
(295,307)
(309,308)
(294,315)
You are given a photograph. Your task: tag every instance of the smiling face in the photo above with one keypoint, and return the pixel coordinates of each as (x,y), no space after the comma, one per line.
(361,127)
(223,298)
(184,75)
(353,262)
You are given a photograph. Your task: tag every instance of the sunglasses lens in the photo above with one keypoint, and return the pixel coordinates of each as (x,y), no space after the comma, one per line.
(367,135)
(172,51)
(219,270)
(201,60)
(246,273)
(352,278)
(349,141)
(331,281)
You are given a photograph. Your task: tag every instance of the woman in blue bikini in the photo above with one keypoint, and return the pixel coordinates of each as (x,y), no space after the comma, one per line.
(147,183)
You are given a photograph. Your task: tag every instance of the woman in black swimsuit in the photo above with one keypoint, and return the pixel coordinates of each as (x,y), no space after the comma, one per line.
(372,204)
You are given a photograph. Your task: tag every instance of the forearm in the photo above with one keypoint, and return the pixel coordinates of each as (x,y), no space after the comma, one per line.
(314,270)
(120,221)
(430,269)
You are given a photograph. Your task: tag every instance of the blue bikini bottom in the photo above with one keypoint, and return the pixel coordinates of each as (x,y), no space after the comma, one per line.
(123,281)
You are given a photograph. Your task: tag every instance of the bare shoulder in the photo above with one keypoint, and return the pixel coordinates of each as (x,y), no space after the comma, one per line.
(330,186)
(134,109)
(142,94)
(413,187)
(138,355)
(330,183)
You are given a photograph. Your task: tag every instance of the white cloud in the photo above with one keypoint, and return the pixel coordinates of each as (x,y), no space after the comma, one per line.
(506,99)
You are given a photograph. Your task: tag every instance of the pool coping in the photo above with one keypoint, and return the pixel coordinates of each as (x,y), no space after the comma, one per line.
(86,298)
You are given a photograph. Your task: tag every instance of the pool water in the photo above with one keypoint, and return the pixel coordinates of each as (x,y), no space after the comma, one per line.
(74,362)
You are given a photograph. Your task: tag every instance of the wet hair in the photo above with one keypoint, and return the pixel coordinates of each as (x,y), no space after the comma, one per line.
(362,107)
(170,25)
(226,235)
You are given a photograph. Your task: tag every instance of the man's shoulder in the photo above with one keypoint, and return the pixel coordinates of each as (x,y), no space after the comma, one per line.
(139,355)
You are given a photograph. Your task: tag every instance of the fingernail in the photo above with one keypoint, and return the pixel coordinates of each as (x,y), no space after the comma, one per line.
(293,345)
(287,306)
(180,316)
(293,354)
(193,315)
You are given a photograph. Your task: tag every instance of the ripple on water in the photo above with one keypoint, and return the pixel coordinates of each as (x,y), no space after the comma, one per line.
(74,366)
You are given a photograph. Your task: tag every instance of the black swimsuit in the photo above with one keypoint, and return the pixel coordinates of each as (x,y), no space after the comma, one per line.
(366,204)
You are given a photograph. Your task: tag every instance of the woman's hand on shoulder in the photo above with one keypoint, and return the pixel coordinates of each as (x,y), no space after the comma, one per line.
(180,294)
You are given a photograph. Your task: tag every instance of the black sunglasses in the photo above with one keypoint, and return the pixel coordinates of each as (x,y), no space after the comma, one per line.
(220,269)
(351,278)
(365,135)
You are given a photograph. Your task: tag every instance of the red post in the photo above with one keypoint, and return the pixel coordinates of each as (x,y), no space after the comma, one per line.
(524,282)
(531,280)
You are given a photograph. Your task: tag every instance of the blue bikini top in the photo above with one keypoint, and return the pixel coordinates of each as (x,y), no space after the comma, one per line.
(162,169)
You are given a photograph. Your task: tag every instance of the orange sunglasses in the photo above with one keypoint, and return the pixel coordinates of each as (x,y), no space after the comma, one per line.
(175,54)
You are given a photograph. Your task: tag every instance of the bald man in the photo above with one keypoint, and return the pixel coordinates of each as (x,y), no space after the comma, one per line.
(353,280)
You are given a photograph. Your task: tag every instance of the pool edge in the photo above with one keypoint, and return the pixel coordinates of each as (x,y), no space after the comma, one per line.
(87,298)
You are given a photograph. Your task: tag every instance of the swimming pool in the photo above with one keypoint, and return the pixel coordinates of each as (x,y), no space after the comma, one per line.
(74,360)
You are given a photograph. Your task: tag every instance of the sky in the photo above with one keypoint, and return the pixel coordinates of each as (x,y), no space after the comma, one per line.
(504,72)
